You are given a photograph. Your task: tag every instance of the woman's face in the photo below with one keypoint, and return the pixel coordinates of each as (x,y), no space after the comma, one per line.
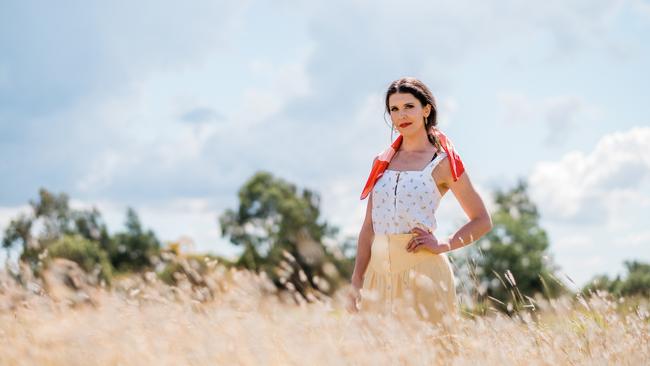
(407,113)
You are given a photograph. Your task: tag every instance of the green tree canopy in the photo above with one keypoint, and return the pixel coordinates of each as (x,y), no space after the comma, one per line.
(50,219)
(133,249)
(84,252)
(636,281)
(279,227)
(513,259)
(73,233)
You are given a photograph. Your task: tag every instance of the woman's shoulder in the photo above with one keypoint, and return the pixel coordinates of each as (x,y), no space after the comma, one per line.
(442,170)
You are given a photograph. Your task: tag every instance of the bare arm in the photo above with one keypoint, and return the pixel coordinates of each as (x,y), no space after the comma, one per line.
(366,236)
(470,201)
(479,223)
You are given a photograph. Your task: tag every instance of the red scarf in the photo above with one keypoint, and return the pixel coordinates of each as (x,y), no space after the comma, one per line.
(383,159)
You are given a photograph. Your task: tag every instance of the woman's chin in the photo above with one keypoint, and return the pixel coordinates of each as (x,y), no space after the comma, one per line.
(411,131)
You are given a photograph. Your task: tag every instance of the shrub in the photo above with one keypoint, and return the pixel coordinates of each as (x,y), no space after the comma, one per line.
(84,252)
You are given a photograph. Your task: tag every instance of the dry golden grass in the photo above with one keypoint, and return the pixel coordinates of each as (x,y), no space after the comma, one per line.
(237,319)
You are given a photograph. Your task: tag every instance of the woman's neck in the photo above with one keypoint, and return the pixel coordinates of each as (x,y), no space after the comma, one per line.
(416,143)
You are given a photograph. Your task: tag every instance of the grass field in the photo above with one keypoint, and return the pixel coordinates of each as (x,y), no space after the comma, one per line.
(235,318)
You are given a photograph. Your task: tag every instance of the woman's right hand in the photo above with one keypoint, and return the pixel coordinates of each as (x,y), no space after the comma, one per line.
(354,295)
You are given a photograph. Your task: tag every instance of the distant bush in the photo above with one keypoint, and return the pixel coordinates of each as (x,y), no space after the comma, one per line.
(635,282)
(84,252)
(192,266)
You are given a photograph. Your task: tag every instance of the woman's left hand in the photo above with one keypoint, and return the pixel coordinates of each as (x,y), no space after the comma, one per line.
(425,240)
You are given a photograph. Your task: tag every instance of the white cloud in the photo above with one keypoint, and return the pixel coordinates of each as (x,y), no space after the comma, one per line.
(118,111)
(60,54)
(341,205)
(451,30)
(446,110)
(277,86)
(135,138)
(101,172)
(642,6)
(581,185)
(594,204)
(560,114)
(573,241)
(634,241)
(589,186)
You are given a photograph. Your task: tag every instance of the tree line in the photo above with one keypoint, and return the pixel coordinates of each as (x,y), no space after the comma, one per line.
(53,229)
(283,234)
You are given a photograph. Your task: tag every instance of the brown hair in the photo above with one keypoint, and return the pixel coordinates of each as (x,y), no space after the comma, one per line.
(422,93)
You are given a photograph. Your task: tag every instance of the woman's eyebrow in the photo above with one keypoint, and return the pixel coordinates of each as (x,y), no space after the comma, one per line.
(405,104)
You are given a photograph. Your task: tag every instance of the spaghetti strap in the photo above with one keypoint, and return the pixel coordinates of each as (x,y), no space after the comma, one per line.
(437,158)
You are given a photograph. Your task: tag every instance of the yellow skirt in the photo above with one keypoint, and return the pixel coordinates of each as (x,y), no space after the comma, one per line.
(398,281)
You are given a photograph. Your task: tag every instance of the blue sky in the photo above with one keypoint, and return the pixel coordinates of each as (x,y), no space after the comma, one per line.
(169,108)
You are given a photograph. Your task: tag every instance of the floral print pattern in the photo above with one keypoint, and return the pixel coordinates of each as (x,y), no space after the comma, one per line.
(405,199)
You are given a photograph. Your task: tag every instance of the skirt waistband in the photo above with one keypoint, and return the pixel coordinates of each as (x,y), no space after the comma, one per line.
(388,254)
(396,236)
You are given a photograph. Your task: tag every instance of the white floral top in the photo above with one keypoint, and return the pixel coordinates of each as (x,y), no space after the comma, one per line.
(405,199)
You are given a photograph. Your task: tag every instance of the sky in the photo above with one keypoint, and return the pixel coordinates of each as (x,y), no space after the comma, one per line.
(169,108)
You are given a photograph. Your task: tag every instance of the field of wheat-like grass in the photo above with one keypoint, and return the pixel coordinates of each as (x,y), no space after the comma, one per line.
(235,317)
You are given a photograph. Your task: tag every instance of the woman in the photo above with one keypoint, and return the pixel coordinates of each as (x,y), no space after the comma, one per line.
(401,265)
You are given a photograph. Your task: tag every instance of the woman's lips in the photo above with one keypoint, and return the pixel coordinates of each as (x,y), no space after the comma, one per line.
(402,125)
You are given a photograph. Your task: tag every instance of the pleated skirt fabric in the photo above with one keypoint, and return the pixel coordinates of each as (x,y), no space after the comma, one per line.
(399,282)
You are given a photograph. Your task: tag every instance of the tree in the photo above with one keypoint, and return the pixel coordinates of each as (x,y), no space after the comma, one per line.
(635,282)
(78,233)
(133,249)
(280,229)
(513,259)
(19,232)
(90,225)
(638,279)
(51,213)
